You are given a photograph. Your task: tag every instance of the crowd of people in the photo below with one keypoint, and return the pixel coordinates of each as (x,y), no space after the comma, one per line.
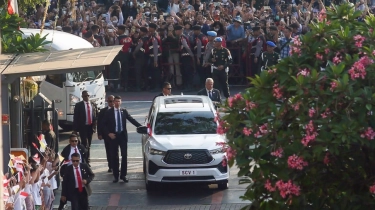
(165,40)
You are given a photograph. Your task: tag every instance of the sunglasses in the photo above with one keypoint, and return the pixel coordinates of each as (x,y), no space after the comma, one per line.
(86,96)
(73,140)
(75,161)
(168,88)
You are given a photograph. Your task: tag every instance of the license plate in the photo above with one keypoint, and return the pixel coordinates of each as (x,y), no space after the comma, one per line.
(188,172)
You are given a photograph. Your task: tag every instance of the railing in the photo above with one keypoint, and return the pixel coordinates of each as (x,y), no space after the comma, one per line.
(237,76)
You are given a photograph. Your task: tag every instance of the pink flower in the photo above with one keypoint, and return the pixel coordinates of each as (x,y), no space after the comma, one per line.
(326,159)
(358,69)
(334,85)
(271,71)
(359,40)
(296,41)
(268,186)
(296,106)
(287,188)
(369,134)
(322,15)
(310,135)
(371,30)
(278,153)
(304,72)
(328,23)
(222,144)
(247,131)
(222,127)
(250,105)
(277,93)
(262,130)
(326,50)
(372,189)
(234,99)
(224,163)
(326,113)
(312,111)
(296,162)
(319,56)
(336,59)
(373,52)
(231,153)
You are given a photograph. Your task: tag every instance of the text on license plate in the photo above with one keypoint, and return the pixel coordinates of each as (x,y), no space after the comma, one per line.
(188,172)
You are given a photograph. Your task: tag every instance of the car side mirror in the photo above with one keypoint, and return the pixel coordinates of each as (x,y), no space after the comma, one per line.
(142,130)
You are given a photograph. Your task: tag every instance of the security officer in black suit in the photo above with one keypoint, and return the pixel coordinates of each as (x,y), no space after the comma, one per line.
(221,59)
(101,134)
(85,120)
(167,89)
(76,185)
(115,126)
(211,92)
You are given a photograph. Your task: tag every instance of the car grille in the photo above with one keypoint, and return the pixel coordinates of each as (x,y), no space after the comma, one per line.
(187,157)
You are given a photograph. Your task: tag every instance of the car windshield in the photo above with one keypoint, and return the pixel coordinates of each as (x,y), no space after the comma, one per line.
(83,76)
(196,122)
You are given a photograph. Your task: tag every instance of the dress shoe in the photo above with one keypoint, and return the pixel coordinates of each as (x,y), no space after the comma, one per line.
(110,170)
(115,181)
(124,179)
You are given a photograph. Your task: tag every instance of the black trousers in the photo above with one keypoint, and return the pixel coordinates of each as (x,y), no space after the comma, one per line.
(139,66)
(107,146)
(154,73)
(201,72)
(86,137)
(122,142)
(255,67)
(187,70)
(220,78)
(79,200)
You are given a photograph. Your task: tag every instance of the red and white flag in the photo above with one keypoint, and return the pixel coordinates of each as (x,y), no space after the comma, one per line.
(36,158)
(19,167)
(5,196)
(65,162)
(12,7)
(23,195)
(5,181)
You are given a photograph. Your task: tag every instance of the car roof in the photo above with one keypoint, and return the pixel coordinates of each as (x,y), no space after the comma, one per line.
(178,103)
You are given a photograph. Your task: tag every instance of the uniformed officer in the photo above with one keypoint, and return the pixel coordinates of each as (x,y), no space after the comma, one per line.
(154,51)
(199,42)
(139,55)
(221,59)
(187,58)
(256,50)
(270,57)
(211,35)
(124,54)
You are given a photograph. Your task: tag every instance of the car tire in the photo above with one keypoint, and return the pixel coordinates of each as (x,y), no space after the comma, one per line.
(222,186)
(151,186)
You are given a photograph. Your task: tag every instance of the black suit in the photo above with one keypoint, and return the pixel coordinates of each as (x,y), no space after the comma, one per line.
(66,155)
(79,200)
(103,134)
(109,126)
(216,96)
(79,124)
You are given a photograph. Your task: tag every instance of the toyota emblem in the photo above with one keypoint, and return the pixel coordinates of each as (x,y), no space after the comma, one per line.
(188,156)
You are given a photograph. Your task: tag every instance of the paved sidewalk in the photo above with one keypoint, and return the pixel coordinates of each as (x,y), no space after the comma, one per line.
(172,207)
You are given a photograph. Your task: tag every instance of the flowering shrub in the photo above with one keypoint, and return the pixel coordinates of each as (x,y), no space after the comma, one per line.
(303,135)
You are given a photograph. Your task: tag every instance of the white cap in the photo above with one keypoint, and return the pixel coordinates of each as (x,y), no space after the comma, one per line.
(110,30)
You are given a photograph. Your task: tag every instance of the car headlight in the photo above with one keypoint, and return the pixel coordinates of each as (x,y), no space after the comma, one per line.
(73,99)
(153,151)
(217,151)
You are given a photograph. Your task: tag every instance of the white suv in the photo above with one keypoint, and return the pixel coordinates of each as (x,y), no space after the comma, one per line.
(180,143)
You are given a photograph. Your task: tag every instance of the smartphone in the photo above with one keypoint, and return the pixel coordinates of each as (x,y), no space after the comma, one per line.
(267,7)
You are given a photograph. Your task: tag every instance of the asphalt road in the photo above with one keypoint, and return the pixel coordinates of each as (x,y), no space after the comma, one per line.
(132,194)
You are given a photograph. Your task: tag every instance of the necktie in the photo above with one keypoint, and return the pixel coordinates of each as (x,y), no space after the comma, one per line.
(88,114)
(79,180)
(118,121)
(210,94)
(75,150)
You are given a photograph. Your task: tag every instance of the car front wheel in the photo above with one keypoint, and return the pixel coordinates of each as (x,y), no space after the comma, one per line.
(222,186)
